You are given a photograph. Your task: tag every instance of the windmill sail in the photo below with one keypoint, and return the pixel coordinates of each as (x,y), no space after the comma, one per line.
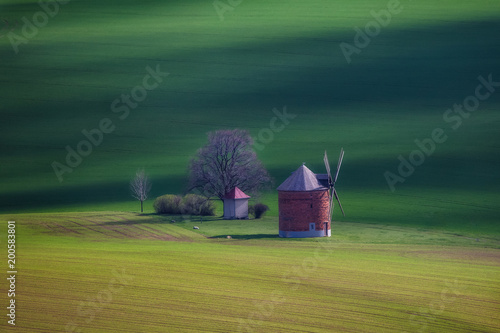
(327,167)
(331,183)
(341,157)
(338,200)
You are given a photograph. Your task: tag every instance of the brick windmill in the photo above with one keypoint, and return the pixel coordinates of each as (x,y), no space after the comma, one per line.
(305,202)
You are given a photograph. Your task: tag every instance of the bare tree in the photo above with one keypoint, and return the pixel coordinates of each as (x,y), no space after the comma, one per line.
(226,161)
(140,186)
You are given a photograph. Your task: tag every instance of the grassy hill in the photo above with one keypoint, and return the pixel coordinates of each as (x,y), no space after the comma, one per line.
(231,73)
(125,272)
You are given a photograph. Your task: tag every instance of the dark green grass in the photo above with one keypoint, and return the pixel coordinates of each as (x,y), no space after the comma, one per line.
(229,74)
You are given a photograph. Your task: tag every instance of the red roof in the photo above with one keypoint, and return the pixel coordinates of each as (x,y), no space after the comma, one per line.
(236,193)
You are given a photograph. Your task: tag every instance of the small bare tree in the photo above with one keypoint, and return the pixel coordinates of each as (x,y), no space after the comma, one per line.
(226,161)
(140,186)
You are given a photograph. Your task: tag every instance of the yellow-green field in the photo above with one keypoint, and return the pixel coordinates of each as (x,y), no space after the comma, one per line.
(265,54)
(123,272)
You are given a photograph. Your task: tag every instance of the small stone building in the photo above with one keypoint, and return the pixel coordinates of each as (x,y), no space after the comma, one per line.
(303,200)
(235,204)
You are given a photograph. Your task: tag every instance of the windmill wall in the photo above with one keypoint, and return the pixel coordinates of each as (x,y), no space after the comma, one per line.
(298,210)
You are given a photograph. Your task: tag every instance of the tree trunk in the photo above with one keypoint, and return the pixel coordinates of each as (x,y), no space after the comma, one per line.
(141,206)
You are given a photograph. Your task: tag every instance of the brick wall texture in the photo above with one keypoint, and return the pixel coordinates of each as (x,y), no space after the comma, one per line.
(298,209)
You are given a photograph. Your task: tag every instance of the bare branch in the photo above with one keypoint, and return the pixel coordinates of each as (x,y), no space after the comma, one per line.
(140,186)
(226,161)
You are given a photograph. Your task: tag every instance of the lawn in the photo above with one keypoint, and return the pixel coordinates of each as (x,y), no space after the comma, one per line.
(110,271)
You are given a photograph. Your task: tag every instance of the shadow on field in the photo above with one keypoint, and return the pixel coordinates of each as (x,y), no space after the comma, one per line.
(163,219)
(246,237)
(81,194)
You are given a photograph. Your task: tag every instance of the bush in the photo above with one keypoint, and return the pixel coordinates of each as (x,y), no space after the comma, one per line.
(194,204)
(259,210)
(207,208)
(251,210)
(190,204)
(168,204)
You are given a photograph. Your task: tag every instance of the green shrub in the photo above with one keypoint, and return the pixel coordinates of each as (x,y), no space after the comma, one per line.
(194,204)
(259,210)
(208,208)
(251,210)
(190,204)
(168,204)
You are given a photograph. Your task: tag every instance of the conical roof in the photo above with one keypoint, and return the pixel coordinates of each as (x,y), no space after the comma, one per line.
(236,193)
(303,179)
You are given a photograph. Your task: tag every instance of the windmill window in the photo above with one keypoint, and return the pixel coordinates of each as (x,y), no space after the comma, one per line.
(312,226)
(311,205)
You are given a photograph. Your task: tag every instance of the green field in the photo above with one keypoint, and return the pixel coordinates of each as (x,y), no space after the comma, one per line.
(231,74)
(108,271)
(422,257)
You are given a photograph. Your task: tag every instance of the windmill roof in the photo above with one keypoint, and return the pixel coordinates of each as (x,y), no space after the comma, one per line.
(236,193)
(304,179)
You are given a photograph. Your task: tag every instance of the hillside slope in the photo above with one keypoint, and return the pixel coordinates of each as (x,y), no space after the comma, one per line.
(74,74)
